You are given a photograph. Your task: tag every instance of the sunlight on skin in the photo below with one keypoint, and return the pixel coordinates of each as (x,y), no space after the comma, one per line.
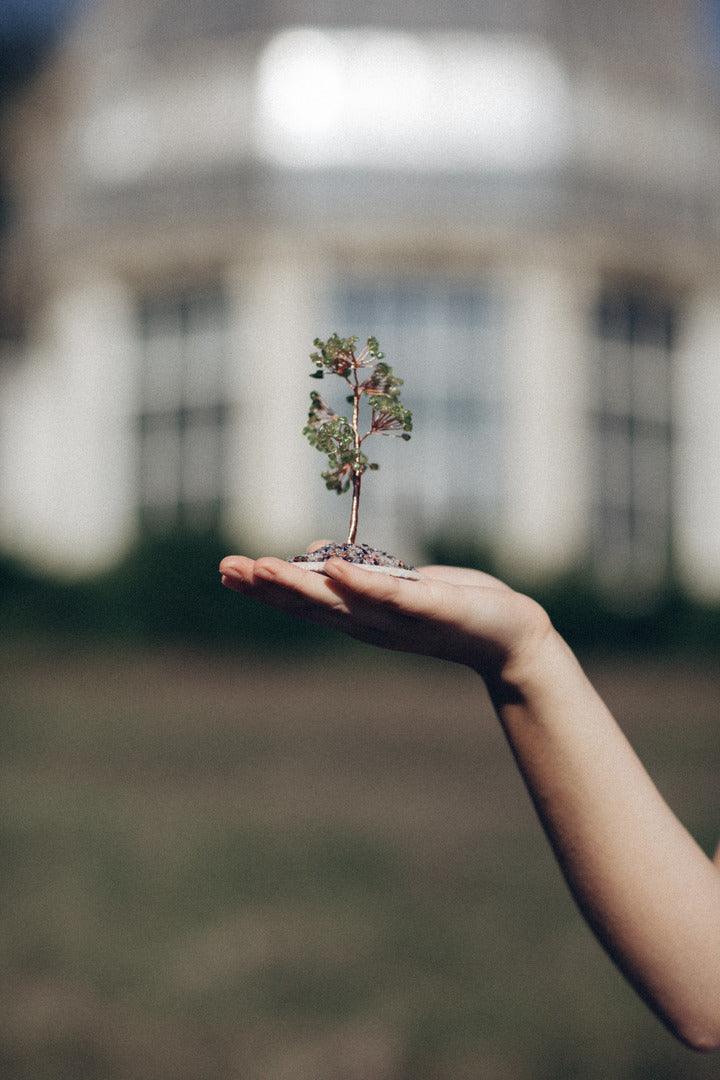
(238,570)
(646,888)
(462,615)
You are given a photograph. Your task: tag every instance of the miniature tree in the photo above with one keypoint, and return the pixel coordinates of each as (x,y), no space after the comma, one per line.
(340,437)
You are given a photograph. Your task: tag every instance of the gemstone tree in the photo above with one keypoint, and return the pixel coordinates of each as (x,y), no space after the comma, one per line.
(339,437)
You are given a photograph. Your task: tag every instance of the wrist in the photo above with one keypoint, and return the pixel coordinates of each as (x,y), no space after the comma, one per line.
(529,667)
(526,656)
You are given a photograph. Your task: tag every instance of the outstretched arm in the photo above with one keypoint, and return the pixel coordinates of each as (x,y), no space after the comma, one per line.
(646,888)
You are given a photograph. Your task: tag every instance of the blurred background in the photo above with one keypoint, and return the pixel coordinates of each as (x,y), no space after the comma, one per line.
(233,847)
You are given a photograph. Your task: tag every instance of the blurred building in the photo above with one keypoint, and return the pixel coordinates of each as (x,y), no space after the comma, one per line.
(520,199)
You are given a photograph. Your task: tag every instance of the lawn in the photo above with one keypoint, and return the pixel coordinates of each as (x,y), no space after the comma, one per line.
(215,867)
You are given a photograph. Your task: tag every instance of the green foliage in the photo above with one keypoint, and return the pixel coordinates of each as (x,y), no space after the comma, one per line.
(165,589)
(389,417)
(340,437)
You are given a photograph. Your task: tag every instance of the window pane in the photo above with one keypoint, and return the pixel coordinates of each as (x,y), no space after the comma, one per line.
(651,383)
(651,471)
(616,467)
(201,459)
(182,339)
(614,376)
(631,532)
(161,353)
(161,463)
(204,348)
(650,559)
(613,533)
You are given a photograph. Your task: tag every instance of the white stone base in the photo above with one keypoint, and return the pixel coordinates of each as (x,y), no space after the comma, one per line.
(393,571)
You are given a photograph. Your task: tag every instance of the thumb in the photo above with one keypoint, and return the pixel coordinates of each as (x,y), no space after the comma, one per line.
(317,544)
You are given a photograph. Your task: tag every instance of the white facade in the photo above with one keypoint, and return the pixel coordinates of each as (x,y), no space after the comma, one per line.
(477,212)
(68,490)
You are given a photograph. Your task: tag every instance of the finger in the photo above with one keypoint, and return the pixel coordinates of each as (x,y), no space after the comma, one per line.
(354,626)
(232,582)
(289,602)
(422,599)
(299,584)
(296,591)
(265,591)
(238,568)
(308,594)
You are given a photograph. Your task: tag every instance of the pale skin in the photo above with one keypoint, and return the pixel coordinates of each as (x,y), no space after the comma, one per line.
(647,890)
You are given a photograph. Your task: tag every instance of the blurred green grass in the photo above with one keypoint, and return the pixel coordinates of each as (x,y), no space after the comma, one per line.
(215,866)
(165,589)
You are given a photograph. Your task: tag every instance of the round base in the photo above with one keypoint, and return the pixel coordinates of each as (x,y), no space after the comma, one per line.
(363,555)
(392,571)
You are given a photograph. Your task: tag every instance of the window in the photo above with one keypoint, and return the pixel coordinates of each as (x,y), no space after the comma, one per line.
(442,336)
(632,527)
(182,413)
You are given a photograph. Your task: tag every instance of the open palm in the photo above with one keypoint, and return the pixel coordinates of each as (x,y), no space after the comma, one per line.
(453,613)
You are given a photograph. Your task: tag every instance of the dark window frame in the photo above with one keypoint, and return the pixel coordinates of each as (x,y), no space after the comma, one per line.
(180,415)
(634,321)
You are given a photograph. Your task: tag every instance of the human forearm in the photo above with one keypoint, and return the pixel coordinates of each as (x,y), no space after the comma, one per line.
(646,888)
(648,891)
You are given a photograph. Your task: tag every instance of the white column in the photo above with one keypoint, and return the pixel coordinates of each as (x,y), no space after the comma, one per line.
(546,446)
(67,448)
(697,459)
(272,471)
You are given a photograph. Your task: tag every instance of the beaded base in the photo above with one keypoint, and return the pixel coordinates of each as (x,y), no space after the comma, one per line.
(369,558)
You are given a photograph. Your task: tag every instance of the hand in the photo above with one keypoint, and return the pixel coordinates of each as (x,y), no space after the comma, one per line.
(456,614)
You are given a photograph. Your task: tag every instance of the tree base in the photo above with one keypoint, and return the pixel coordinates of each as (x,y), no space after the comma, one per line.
(368,558)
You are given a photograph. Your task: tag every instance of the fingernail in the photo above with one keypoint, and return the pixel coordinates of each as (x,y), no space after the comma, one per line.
(231,572)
